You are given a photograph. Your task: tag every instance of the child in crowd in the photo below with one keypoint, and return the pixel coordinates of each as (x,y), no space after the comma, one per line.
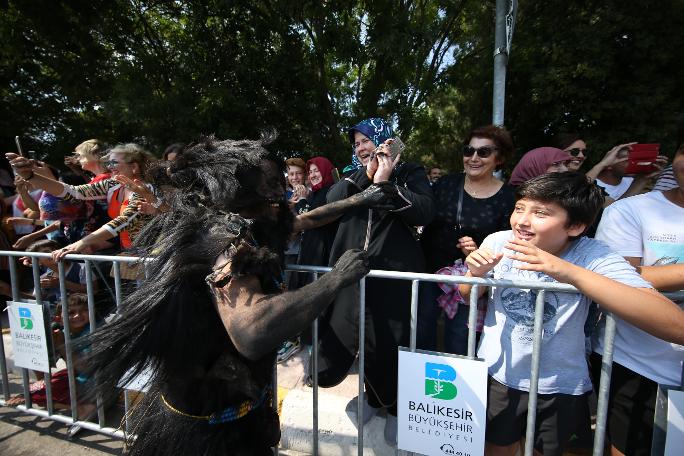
(551,214)
(79,326)
(74,272)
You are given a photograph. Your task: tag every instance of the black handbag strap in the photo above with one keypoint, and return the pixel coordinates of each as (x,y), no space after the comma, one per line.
(459,208)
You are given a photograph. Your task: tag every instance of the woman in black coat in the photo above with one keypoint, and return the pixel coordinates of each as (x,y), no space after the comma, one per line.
(389,237)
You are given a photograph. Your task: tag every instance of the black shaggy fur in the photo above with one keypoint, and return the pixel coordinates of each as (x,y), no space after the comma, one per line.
(170,325)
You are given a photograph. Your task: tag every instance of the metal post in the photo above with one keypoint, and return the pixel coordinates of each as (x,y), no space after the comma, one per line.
(67,343)
(414,313)
(38,292)
(117,284)
(472,320)
(500,63)
(93,325)
(274,388)
(604,385)
(3,361)
(362,347)
(534,378)
(314,376)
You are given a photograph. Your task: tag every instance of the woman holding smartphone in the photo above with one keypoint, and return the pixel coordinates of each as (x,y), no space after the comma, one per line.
(388,235)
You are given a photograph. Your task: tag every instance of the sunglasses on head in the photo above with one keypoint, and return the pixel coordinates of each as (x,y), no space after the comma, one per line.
(482,152)
(575,151)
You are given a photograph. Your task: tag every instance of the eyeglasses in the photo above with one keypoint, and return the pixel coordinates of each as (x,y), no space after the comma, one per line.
(575,151)
(482,152)
(113,163)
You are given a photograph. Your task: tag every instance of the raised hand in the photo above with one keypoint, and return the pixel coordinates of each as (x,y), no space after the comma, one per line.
(535,259)
(136,186)
(481,261)
(22,166)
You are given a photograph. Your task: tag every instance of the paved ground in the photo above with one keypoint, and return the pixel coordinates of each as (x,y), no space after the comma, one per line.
(26,435)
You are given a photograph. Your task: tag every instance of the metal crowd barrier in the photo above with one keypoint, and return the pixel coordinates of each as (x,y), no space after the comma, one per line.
(543,287)
(75,421)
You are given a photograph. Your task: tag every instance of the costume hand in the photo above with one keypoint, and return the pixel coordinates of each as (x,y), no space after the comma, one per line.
(536,259)
(22,166)
(378,196)
(352,266)
(467,245)
(481,261)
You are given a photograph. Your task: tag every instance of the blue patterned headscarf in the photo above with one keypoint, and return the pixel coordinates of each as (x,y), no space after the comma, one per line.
(376,129)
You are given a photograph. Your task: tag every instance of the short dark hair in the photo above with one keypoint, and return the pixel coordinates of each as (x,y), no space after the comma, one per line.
(176,148)
(573,191)
(77,299)
(43,244)
(564,139)
(499,135)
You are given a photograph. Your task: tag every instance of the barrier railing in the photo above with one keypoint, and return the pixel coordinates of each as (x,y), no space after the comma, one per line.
(90,260)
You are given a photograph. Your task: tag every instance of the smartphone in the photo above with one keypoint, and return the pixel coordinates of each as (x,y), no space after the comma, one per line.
(19,149)
(397,146)
(641,158)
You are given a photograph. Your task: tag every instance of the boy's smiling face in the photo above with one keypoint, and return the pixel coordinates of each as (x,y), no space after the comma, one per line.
(543,224)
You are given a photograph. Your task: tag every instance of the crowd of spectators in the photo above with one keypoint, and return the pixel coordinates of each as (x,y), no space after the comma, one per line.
(437,222)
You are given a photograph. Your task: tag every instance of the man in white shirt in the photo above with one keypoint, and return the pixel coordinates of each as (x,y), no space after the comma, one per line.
(648,230)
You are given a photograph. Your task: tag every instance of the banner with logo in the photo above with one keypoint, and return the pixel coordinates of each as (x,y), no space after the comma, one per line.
(29,344)
(442,404)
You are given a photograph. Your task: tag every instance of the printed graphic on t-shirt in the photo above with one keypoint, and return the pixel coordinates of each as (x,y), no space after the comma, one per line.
(665,252)
(519,306)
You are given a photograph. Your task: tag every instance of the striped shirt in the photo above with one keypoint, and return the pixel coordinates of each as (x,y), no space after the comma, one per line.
(129,219)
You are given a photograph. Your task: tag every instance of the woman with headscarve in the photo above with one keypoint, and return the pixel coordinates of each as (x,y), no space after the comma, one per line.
(388,236)
(539,161)
(316,243)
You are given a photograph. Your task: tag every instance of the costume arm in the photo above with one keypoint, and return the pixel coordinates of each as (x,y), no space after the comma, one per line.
(351,184)
(415,201)
(258,323)
(373,196)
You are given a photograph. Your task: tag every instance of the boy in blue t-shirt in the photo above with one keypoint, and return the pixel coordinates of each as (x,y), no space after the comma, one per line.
(545,244)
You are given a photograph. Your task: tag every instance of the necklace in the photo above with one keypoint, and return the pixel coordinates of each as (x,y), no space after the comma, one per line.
(484,190)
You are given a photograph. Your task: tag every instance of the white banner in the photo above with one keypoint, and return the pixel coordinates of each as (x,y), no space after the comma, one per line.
(442,404)
(29,344)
